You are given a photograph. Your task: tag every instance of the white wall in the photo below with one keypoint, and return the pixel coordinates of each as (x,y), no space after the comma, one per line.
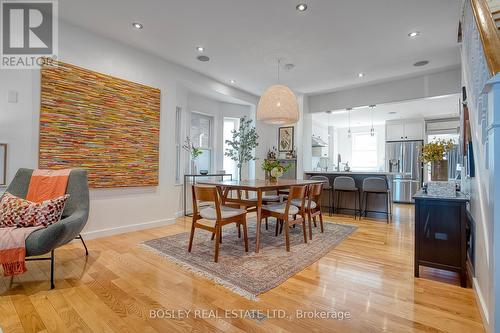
(112,210)
(429,85)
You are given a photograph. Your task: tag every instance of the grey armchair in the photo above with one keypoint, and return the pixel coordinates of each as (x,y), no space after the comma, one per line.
(73,220)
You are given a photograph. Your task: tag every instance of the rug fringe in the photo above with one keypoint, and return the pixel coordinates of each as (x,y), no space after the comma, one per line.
(200,272)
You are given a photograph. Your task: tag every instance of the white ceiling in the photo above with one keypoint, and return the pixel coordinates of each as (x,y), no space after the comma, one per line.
(329,43)
(435,107)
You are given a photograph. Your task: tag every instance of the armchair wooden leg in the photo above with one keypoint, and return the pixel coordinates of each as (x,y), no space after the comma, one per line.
(304,229)
(267,226)
(287,236)
(277,228)
(321,221)
(239,229)
(245,235)
(191,236)
(310,225)
(217,242)
(84,245)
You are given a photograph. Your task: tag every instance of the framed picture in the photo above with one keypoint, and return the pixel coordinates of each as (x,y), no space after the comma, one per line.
(3,164)
(285,139)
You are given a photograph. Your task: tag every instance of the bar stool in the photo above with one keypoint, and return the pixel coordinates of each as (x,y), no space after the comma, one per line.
(376,185)
(344,184)
(326,187)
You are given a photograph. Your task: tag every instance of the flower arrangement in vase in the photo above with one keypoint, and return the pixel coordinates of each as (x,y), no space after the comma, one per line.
(274,170)
(434,153)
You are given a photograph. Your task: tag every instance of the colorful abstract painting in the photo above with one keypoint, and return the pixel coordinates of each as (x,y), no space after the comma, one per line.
(100,123)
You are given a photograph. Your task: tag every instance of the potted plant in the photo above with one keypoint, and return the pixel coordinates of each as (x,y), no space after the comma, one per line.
(434,153)
(194,152)
(274,170)
(244,141)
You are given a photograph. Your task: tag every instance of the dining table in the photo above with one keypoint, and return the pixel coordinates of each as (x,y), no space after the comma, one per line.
(258,186)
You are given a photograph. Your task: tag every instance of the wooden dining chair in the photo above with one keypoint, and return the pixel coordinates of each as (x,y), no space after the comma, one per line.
(221,214)
(312,206)
(287,214)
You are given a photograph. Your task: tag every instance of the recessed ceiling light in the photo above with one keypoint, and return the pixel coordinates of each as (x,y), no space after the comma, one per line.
(421,63)
(203,58)
(414,34)
(137,25)
(392,112)
(361,74)
(232,81)
(301,7)
(200,48)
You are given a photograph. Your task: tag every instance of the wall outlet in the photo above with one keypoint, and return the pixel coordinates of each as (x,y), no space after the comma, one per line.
(12,96)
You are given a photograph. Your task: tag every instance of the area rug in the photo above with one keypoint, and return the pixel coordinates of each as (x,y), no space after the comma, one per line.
(250,274)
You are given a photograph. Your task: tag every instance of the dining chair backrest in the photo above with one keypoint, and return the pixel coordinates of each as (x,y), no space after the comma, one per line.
(344,183)
(296,193)
(315,190)
(375,184)
(208,194)
(325,179)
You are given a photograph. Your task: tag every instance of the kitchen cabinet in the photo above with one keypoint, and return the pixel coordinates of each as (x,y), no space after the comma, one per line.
(407,129)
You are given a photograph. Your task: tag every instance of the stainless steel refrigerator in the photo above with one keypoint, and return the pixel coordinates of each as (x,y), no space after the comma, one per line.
(402,161)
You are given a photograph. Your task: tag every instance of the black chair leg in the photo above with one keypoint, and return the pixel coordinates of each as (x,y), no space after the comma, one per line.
(387,208)
(355,207)
(365,199)
(84,245)
(359,204)
(330,202)
(333,201)
(52,285)
(338,201)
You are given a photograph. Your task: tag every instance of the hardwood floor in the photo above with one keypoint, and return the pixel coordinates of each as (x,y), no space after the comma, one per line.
(369,275)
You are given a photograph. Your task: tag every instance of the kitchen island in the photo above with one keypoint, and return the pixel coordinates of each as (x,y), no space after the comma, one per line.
(376,202)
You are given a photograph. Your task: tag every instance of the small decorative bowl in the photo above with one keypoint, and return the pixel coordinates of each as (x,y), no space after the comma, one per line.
(203,172)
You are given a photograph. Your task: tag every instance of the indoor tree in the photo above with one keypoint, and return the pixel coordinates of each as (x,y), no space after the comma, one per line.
(242,145)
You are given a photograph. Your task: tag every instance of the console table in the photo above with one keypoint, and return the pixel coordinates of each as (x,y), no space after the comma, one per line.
(440,233)
(193,178)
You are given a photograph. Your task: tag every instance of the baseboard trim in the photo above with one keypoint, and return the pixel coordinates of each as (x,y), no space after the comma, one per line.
(127,228)
(483,309)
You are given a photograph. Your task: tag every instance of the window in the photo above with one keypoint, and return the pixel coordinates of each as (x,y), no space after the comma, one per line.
(364,151)
(178,143)
(443,136)
(229,165)
(201,135)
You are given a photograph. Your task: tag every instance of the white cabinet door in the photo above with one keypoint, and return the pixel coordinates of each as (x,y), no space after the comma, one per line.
(394,131)
(414,130)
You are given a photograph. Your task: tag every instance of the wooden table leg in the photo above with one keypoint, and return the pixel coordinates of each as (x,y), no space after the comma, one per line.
(259,214)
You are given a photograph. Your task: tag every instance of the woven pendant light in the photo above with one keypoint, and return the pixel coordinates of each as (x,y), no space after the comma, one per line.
(278,105)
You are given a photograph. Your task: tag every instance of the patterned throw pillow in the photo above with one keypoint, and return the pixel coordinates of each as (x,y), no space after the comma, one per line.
(19,212)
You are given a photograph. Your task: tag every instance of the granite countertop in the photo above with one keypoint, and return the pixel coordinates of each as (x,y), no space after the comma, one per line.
(423,195)
(351,173)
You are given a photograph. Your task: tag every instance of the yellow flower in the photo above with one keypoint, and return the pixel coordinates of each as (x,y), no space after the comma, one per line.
(434,151)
